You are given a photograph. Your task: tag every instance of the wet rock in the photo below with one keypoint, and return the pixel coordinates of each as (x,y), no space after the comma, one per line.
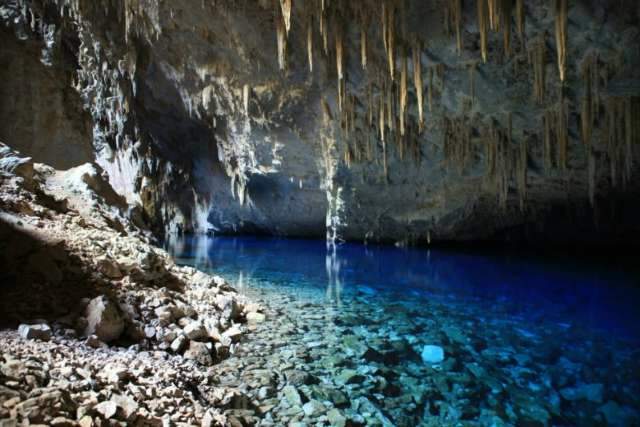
(40,331)
(199,352)
(292,395)
(619,416)
(432,354)
(104,319)
(336,419)
(313,408)
(255,317)
(590,392)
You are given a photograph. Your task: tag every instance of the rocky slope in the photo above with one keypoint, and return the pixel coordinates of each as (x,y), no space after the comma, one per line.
(103,328)
(452,123)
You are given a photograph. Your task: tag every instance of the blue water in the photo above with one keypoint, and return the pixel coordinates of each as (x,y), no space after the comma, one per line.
(587,312)
(563,289)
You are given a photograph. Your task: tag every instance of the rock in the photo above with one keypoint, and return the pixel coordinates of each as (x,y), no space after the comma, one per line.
(195,331)
(313,408)
(104,319)
(86,421)
(336,419)
(618,416)
(12,163)
(106,409)
(432,354)
(179,343)
(199,352)
(292,395)
(229,306)
(109,268)
(126,403)
(40,331)
(62,422)
(233,333)
(255,317)
(349,376)
(149,332)
(94,342)
(590,392)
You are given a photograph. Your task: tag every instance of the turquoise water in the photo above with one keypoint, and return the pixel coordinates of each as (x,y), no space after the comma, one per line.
(526,340)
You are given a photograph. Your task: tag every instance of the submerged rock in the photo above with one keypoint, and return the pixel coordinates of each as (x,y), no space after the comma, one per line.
(199,352)
(590,392)
(432,354)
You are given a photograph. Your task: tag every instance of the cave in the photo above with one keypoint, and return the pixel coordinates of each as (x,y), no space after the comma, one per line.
(319,212)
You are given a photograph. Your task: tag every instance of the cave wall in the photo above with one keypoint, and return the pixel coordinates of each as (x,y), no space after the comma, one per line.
(40,113)
(196,118)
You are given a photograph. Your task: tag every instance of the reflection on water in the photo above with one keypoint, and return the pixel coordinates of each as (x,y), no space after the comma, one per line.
(526,341)
(566,291)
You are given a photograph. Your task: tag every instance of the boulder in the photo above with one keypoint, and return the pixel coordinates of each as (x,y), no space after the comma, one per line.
(432,354)
(199,352)
(41,331)
(195,331)
(104,319)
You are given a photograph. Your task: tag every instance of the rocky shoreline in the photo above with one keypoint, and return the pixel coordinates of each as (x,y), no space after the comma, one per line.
(100,327)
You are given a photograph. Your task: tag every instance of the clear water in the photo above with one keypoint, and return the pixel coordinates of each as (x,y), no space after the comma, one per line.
(527,341)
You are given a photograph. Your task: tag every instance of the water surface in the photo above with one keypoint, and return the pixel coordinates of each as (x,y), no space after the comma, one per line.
(527,340)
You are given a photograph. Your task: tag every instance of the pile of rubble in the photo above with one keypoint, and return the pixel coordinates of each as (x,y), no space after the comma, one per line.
(100,326)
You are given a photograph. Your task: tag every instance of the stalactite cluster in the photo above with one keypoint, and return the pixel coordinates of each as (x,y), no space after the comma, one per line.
(457,142)
(383,125)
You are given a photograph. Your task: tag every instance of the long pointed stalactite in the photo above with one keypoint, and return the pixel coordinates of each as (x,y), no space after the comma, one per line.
(561,12)
(483,27)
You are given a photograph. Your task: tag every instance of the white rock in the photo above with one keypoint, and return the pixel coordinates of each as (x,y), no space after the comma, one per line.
(432,354)
(104,319)
(40,331)
(195,331)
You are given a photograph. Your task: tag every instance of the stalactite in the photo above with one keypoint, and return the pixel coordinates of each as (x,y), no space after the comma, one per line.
(382,133)
(456,16)
(457,143)
(494,14)
(324,33)
(562,132)
(430,89)
(417,82)
(282,43)
(245,98)
(363,44)
(586,104)
(522,174)
(403,93)
(506,10)
(561,36)
(520,20)
(370,104)
(548,119)
(339,53)
(537,59)
(391,40)
(285,5)
(310,43)
(483,27)
(472,81)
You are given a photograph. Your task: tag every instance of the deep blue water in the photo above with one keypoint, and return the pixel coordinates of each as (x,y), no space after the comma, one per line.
(561,289)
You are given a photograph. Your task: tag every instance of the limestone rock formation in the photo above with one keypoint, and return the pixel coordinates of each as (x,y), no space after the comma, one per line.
(395,120)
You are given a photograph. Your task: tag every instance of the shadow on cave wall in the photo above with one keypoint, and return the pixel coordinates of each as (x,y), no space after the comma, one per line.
(38,280)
